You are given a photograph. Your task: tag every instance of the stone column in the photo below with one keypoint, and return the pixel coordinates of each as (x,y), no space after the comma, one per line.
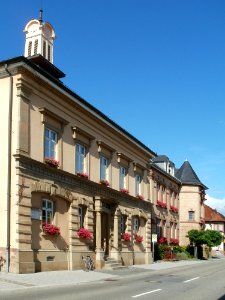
(115,248)
(98,230)
(148,253)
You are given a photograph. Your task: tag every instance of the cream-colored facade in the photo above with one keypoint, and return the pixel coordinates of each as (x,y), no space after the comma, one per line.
(191,204)
(67,164)
(38,104)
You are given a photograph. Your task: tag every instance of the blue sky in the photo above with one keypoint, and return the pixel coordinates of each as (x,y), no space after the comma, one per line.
(157,68)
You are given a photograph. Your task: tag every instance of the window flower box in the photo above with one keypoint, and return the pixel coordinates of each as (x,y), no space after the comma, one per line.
(50,229)
(104,182)
(138,238)
(161,204)
(126,237)
(174,241)
(82,174)
(174,209)
(140,197)
(52,162)
(85,234)
(125,191)
(162,240)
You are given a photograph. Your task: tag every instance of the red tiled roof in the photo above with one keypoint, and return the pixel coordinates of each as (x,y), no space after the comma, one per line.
(212,215)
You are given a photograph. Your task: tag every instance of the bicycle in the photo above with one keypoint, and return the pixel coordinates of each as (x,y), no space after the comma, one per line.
(88,263)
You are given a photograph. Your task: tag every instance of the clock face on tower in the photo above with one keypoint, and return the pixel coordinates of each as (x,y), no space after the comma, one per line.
(33,28)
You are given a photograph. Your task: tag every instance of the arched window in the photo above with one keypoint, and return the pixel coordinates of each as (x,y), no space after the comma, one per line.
(47,211)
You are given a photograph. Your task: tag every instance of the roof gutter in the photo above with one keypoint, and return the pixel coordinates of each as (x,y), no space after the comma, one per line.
(8,205)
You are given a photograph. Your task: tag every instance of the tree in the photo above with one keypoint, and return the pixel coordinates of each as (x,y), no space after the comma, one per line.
(211,238)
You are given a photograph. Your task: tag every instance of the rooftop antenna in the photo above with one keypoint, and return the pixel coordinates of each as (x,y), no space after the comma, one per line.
(41,16)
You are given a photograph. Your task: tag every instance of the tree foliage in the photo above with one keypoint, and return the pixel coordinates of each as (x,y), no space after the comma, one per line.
(211,238)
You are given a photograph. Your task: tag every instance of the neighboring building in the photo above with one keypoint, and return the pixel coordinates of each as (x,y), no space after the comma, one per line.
(191,198)
(164,189)
(66,164)
(215,221)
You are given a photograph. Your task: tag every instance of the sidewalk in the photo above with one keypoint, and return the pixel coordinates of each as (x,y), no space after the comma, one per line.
(11,281)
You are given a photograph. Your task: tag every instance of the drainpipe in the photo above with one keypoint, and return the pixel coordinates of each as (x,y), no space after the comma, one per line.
(9,169)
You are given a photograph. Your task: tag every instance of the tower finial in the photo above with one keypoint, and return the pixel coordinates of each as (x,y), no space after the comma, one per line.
(41,15)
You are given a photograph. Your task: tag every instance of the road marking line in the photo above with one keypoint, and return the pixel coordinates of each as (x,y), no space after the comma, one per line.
(191,279)
(153,291)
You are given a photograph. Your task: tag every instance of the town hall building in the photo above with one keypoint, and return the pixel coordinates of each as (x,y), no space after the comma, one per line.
(73,182)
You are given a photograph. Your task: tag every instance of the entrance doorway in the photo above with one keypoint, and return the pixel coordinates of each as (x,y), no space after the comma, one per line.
(105,233)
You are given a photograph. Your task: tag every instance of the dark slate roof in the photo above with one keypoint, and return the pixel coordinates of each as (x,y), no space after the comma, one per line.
(188,176)
(160,158)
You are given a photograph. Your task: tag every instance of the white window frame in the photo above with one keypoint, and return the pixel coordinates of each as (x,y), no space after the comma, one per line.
(104,168)
(123,177)
(81,214)
(48,207)
(138,184)
(136,224)
(81,159)
(50,143)
(191,213)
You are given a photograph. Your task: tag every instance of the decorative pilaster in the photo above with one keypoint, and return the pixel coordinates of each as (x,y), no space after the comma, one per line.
(98,230)
(23,94)
(115,249)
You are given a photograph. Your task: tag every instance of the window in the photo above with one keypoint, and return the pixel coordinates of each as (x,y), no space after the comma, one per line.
(190,215)
(136,224)
(123,173)
(29,48)
(49,52)
(81,212)
(80,159)
(175,230)
(138,184)
(123,220)
(50,143)
(175,200)
(158,228)
(163,194)
(171,230)
(158,192)
(47,211)
(171,198)
(104,168)
(164,228)
(35,46)
(44,49)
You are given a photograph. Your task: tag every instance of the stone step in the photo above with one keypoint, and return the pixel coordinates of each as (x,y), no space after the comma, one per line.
(112,264)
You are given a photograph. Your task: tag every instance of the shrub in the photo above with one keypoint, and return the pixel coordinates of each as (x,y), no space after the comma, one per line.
(182,256)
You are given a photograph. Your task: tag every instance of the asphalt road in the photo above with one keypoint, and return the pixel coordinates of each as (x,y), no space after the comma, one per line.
(195,282)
